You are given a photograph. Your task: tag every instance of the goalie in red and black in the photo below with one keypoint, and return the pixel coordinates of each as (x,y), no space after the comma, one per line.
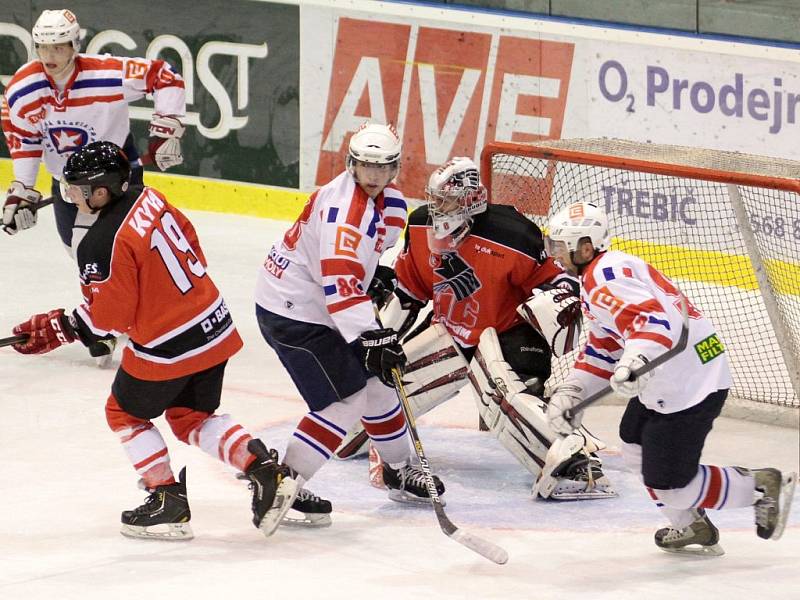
(500,310)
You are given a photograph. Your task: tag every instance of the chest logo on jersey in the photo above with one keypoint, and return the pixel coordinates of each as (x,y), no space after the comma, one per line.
(347,242)
(67,139)
(709,348)
(481,249)
(457,276)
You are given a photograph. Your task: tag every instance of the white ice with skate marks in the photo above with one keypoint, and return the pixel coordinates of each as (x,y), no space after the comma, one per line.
(65,480)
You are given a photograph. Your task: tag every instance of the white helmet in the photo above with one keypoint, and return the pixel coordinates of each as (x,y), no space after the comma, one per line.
(455,195)
(375,144)
(57,27)
(580,220)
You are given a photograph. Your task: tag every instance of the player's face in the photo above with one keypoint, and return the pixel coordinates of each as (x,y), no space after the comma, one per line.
(558,250)
(373,178)
(86,200)
(57,59)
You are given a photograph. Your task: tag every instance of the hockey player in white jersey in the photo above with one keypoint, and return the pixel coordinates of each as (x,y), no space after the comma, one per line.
(313,310)
(64,100)
(634,314)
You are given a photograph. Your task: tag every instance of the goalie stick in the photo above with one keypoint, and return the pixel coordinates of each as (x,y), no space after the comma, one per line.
(659,360)
(483,547)
(14,339)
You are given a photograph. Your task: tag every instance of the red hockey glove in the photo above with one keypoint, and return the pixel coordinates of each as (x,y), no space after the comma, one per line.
(46,332)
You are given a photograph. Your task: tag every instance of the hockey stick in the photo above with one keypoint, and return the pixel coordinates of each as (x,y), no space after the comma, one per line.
(14,339)
(483,547)
(679,347)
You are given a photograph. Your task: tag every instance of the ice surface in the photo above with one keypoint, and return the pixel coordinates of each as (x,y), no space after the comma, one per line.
(65,480)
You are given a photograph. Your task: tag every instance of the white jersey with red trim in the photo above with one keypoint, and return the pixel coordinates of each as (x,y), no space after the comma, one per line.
(631,305)
(42,123)
(320,271)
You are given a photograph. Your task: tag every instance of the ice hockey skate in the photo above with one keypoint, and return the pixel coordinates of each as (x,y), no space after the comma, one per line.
(165,514)
(569,473)
(772,508)
(308,510)
(407,484)
(273,488)
(700,538)
(103,352)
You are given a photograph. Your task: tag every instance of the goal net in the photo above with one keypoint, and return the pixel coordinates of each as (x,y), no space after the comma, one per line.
(725,226)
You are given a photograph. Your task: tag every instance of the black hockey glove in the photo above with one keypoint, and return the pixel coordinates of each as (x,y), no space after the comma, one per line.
(382,353)
(382,285)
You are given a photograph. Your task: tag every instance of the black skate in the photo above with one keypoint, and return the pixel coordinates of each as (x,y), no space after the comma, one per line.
(273,488)
(165,514)
(581,477)
(407,484)
(700,538)
(772,508)
(103,351)
(308,510)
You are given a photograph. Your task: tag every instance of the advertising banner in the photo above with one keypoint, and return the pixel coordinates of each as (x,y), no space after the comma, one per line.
(240,63)
(453,80)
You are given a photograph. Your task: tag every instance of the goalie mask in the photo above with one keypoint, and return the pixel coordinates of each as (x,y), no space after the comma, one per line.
(455,195)
(572,224)
(57,27)
(99,164)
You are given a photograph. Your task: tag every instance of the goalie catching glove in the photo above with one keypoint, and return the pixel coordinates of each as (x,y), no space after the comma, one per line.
(165,145)
(19,210)
(46,332)
(382,353)
(556,314)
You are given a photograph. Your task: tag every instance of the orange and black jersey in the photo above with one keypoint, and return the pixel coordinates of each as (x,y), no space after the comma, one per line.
(482,282)
(143,274)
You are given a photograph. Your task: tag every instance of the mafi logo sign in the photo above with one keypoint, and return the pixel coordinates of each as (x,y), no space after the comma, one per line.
(448,92)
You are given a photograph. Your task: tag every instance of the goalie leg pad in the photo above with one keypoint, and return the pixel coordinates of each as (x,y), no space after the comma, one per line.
(435,371)
(515,417)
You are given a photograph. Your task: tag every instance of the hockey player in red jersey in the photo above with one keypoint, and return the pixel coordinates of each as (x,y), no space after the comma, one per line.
(477,263)
(313,310)
(64,100)
(634,314)
(143,273)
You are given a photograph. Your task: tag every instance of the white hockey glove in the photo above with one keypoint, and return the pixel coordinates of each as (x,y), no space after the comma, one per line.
(565,396)
(19,210)
(621,381)
(165,144)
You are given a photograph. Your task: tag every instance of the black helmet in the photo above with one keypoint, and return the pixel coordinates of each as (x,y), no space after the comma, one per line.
(99,164)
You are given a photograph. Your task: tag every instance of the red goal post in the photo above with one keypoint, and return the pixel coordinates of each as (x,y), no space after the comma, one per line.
(724,225)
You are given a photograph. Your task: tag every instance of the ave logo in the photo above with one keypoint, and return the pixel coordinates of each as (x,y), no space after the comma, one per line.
(447,91)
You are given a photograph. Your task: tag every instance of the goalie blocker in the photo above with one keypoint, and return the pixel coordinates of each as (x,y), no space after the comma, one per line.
(437,369)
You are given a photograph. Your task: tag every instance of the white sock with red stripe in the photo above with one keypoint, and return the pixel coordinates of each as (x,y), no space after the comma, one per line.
(224,439)
(320,432)
(148,453)
(712,487)
(386,425)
